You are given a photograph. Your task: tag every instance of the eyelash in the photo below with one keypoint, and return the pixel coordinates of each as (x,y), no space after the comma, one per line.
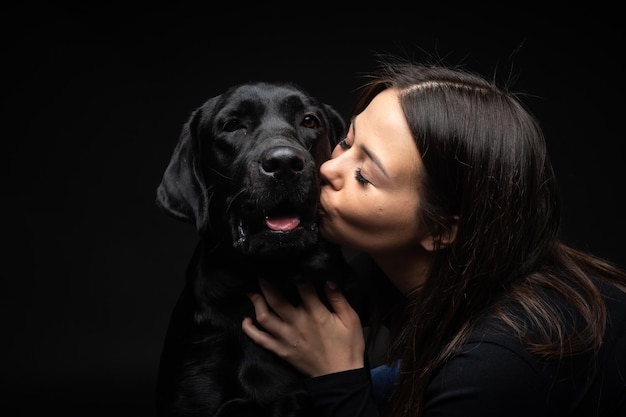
(343,143)
(360,178)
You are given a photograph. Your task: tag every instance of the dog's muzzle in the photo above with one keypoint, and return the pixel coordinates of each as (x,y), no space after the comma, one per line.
(282,201)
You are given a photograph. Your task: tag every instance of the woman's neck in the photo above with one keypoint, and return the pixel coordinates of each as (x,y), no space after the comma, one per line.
(407,269)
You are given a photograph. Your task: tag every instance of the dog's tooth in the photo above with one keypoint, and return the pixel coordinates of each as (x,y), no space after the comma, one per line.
(242,235)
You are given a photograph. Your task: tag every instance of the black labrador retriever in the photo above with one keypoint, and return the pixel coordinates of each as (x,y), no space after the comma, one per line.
(245,172)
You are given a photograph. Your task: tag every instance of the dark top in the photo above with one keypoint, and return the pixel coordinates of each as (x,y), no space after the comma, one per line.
(493,374)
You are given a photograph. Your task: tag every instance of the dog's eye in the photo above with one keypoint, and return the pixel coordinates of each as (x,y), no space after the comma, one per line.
(311,121)
(232,125)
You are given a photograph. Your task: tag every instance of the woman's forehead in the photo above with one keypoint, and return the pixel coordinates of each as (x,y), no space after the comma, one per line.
(383,131)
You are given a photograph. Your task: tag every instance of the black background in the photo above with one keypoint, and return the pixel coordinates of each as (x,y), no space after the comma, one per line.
(94,99)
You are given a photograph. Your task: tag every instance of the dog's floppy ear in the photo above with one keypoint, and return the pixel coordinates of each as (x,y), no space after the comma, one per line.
(337,126)
(182,192)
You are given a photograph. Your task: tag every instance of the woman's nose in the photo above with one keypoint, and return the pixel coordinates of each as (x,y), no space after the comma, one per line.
(330,174)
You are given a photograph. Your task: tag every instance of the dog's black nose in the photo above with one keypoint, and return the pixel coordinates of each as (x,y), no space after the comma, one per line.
(282,162)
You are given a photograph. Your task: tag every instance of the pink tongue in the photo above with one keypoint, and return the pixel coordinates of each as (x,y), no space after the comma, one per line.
(282,224)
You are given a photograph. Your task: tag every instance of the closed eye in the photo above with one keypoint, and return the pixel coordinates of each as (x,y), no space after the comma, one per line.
(360,178)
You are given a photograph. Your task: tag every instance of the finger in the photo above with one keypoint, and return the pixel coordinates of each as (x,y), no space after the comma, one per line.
(264,314)
(259,303)
(310,298)
(281,306)
(339,303)
(264,339)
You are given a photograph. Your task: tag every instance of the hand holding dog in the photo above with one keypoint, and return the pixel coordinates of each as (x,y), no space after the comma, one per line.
(312,338)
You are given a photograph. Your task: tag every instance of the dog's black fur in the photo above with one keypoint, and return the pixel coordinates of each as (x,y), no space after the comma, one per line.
(249,154)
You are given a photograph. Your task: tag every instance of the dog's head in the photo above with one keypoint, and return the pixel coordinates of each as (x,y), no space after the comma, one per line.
(245,169)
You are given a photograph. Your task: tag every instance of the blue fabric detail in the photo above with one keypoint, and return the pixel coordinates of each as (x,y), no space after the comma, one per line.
(384,378)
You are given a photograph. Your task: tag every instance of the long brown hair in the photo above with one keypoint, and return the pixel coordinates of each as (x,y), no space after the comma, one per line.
(487,169)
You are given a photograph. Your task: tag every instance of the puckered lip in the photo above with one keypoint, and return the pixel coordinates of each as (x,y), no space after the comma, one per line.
(321,211)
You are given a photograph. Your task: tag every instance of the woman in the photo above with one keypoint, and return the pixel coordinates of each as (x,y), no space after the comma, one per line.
(444,181)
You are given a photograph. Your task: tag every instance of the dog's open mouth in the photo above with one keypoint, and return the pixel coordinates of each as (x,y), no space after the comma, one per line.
(283,223)
(286,218)
(284,226)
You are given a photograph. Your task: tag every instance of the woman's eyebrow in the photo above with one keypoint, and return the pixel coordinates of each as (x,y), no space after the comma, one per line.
(369,153)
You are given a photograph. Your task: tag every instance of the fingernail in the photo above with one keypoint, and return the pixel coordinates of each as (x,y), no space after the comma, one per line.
(331,284)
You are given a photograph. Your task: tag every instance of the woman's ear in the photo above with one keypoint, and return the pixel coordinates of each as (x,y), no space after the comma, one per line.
(441,238)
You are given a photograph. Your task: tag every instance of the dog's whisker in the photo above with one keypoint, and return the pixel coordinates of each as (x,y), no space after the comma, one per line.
(206,191)
(226,177)
(209,197)
(215,247)
(234,198)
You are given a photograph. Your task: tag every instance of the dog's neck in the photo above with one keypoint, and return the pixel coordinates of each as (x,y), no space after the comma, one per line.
(222,278)
(235,273)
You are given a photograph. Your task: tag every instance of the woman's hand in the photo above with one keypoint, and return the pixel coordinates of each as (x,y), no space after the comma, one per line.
(313,339)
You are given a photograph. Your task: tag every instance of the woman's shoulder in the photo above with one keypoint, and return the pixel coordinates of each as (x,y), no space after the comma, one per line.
(493,330)
(495,360)
(491,372)
(496,373)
